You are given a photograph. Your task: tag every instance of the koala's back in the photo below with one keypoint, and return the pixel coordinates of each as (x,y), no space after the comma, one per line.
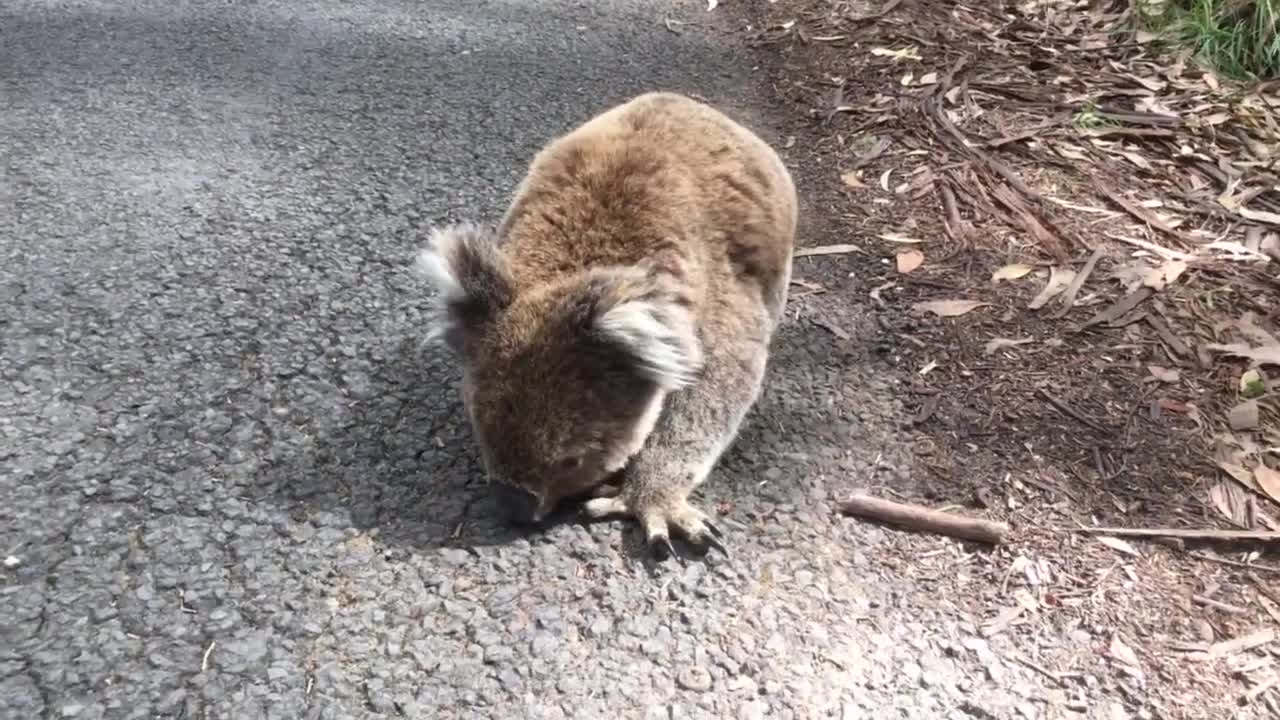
(666,183)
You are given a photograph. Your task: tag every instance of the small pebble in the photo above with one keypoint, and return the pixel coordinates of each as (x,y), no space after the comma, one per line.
(695,678)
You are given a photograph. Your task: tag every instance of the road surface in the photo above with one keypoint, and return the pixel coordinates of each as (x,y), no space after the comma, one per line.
(236,486)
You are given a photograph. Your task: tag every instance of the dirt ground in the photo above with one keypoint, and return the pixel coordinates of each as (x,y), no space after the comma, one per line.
(1066,231)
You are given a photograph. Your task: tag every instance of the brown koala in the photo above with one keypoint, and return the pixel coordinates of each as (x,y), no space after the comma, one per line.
(614,327)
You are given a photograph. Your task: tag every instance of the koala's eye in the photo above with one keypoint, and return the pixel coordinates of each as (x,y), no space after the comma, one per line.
(571,463)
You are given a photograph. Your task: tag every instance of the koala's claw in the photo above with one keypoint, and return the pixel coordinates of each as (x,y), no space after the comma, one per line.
(691,523)
(662,549)
(714,530)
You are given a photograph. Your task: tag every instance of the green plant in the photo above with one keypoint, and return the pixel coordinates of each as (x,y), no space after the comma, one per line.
(1088,117)
(1238,38)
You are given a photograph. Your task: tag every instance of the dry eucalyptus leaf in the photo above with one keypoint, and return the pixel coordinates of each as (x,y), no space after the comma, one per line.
(929,78)
(1136,159)
(875,292)
(1239,472)
(1231,501)
(1149,83)
(948,308)
(884,180)
(909,260)
(1259,216)
(1011,272)
(1165,375)
(998,343)
(1269,480)
(1118,544)
(837,249)
(907,53)
(1123,653)
(894,237)
(852,180)
(1193,413)
(1070,152)
(1159,278)
(1270,246)
(1059,279)
(1244,416)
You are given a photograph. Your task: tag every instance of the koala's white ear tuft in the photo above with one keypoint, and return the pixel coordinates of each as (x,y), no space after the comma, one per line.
(660,338)
(463,264)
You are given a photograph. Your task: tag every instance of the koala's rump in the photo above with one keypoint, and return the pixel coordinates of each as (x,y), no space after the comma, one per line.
(660,180)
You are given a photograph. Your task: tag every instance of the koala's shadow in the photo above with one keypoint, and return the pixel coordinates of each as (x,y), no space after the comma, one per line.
(398,459)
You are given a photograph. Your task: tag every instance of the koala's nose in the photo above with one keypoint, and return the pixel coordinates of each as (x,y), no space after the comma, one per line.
(521,506)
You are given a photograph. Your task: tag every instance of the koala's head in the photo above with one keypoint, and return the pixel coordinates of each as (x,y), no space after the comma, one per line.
(562,381)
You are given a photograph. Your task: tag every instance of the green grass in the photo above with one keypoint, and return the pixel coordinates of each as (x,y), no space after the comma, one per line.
(1238,38)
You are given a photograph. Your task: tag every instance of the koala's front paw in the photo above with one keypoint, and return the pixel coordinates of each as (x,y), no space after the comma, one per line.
(658,519)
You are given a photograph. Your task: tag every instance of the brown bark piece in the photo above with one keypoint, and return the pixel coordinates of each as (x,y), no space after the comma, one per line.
(1068,298)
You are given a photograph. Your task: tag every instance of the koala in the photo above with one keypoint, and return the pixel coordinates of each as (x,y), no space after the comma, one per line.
(614,327)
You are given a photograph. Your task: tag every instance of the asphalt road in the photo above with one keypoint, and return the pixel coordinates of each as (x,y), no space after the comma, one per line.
(235,486)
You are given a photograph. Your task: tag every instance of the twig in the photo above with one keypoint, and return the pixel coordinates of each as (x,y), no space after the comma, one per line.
(204,661)
(1140,132)
(1069,297)
(1173,342)
(1163,252)
(1063,408)
(838,249)
(1026,216)
(1189,534)
(1055,677)
(916,517)
(1224,607)
(1234,563)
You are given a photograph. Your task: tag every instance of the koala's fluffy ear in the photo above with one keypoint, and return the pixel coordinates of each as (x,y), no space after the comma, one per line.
(463,263)
(653,329)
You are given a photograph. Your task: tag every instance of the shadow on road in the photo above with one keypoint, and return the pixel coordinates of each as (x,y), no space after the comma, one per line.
(402,462)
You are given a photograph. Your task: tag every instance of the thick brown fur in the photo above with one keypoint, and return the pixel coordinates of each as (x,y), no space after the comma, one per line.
(615,325)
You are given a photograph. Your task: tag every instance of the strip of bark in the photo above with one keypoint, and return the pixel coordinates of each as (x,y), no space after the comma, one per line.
(916,517)
(1259,536)
(1069,297)
(1140,212)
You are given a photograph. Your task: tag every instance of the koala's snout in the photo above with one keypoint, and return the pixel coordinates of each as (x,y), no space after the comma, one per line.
(521,506)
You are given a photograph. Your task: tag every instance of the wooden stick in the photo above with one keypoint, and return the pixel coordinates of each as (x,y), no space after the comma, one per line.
(916,517)
(1187,533)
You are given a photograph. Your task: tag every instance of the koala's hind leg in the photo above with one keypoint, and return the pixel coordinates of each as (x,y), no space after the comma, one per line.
(698,424)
